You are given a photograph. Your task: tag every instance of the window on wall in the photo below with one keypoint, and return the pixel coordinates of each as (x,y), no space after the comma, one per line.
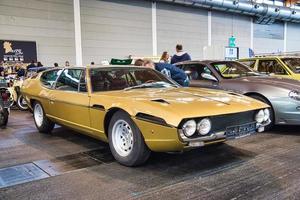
(272,2)
(272,31)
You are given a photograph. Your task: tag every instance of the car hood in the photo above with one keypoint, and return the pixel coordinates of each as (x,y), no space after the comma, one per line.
(176,104)
(277,82)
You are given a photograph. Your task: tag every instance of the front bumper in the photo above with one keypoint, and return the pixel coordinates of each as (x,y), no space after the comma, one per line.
(287,111)
(223,135)
(161,138)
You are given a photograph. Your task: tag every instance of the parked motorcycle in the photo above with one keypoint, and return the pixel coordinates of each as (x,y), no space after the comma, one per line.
(17,97)
(5,103)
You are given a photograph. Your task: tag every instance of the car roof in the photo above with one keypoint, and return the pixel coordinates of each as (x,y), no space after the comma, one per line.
(269,57)
(203,61)
(103,67)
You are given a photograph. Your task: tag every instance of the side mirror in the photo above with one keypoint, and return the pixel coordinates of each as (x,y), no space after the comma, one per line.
(209,77)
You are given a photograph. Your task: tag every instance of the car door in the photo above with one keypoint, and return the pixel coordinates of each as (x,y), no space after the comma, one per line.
(272,67)
(70,99)
(48,79)
(196,74)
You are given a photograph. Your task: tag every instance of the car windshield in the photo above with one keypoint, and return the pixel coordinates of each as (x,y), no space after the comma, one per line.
(110,79)
(231,70)
(293,64)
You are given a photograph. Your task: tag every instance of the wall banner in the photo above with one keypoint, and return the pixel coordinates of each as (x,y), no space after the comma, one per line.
(18,51)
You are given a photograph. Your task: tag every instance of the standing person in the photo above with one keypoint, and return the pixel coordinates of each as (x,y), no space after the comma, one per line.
(67,64)
(139,62)
(164,57)
(170,71)
(180,56)
(39,64)
(92,63)
(1,66)
(31,65)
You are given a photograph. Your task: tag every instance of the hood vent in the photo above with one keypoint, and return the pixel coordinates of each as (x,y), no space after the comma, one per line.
(160,101)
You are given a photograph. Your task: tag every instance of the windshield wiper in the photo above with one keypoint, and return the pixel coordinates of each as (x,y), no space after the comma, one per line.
(149,85)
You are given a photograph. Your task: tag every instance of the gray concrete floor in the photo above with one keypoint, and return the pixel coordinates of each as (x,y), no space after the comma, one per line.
(263,166)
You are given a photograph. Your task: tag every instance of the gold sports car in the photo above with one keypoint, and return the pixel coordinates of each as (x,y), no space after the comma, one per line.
(138,110)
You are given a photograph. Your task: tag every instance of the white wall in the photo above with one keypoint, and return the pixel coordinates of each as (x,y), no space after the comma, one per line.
(115,29)
(293,37)
(268,38)
(183,25)
(49,23)
(224,26)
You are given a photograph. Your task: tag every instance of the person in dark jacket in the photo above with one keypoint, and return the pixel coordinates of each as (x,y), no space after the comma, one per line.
(39,64)
(170,71)
(180,56)
(31,65)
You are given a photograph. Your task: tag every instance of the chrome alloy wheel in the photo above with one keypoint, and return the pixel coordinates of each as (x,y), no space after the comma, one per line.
(38,115)
(122,138)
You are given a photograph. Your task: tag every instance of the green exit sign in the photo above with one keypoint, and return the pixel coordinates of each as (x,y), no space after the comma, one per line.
(232,41)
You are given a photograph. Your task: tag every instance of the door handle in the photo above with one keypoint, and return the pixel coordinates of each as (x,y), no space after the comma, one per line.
(98,107)
(51,102)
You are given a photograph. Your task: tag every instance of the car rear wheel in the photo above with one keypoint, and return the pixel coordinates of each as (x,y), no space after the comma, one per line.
(272,118)
(43,124)
(126,141)
(21,103)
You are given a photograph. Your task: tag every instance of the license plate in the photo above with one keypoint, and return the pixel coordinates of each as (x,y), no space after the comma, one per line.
(240,131)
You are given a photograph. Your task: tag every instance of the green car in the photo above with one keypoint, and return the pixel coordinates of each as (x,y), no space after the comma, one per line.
(282,66)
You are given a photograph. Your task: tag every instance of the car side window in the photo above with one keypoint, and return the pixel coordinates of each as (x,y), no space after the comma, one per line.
(249,63)
(48,78)
(271,67)
(195,71)
(69,80)
(82,83)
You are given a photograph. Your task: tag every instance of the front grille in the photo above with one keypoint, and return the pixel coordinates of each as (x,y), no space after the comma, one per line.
(221,122)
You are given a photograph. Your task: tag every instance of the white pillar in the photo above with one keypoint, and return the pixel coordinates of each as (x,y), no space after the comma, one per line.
(154,29)
(251,34)
(285,37)
(209,28)
(77,23)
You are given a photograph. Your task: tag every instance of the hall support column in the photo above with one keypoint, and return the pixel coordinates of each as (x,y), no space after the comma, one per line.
(154,29)
(77,23)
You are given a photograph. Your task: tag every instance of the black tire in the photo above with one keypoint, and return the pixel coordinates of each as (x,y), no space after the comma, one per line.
(139,153)
(45,125)
(272,115)
(20,103)
(4,118)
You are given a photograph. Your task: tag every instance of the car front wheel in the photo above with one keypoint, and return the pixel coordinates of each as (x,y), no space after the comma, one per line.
(21,103)
(126,141)
(43,124)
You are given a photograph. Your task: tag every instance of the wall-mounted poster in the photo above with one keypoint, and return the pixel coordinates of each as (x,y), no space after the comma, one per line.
(18,51)
(231,53)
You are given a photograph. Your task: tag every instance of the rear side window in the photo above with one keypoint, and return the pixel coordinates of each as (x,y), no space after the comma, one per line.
(271,67)
(48,78)
(249,63)
(69,80)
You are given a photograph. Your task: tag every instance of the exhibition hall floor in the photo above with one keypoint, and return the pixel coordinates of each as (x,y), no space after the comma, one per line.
(67,165)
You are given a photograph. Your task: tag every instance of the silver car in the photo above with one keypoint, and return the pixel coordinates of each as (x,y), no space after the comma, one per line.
(283,95)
